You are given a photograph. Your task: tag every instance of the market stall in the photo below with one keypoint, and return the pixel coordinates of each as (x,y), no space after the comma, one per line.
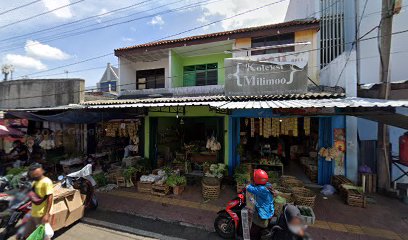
(276,144)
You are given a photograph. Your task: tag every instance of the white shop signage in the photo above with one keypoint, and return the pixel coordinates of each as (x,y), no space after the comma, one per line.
(268,74)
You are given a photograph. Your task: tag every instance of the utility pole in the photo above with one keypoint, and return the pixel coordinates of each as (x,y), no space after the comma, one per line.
(383,143)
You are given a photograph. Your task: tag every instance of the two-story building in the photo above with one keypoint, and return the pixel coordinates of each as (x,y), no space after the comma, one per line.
(240,95)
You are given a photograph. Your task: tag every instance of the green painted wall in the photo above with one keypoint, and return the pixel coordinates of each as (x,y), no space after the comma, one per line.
(178,62)
(193,111)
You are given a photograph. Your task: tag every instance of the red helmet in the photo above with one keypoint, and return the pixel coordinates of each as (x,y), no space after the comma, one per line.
(260,177)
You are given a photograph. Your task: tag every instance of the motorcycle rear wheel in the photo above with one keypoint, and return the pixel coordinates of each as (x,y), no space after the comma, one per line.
(224,226)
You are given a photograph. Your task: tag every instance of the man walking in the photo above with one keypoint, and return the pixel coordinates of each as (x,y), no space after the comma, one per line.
(41,198)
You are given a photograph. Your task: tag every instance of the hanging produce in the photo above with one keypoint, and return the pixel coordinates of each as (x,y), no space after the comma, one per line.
(260,127)
(306,125)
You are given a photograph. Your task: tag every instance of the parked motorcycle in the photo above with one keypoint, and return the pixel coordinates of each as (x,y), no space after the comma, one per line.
(84,182)
(19,205)
(19,202)
(228,223)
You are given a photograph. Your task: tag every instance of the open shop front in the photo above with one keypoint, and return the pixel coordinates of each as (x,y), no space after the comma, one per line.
(307,149)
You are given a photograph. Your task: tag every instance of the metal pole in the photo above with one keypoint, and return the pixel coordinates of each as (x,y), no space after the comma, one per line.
(383,148)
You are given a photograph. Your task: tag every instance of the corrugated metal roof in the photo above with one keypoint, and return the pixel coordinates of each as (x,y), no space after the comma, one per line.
(218,34)
(269,104)
(216,98)
(315,103)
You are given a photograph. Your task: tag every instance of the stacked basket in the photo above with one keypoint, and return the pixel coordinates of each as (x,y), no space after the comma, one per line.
(210,188)
(304,196)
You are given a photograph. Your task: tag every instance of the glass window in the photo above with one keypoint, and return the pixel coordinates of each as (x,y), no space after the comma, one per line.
(200,75)
(273,41)
(153,78)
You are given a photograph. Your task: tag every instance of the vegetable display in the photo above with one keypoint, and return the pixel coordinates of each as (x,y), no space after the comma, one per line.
(176,180)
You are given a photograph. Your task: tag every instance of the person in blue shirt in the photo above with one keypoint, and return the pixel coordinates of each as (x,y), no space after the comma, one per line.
(264,197)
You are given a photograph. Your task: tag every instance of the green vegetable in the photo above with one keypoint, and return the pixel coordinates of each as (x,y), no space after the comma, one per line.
(100,179)
(280,200)
(16,171)
(129,172)
(241,174)
(176,180)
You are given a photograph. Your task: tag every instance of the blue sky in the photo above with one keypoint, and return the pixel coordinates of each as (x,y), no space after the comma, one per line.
(36,54)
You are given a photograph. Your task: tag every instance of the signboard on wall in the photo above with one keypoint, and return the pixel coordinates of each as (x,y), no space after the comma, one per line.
(267,74)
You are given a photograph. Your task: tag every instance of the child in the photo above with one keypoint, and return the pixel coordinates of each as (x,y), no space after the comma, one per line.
(264,209)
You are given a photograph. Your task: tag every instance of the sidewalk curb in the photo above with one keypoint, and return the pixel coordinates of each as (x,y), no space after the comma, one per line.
(181,223)
(127,229)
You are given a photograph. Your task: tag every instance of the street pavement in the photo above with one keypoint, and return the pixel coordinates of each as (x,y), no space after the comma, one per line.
(85,231)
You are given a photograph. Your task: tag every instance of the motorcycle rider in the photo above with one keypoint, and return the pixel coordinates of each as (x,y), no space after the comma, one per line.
(41,199)
(264,197)
(290,225)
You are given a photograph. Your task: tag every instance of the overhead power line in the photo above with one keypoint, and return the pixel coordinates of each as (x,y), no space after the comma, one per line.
(192,29)
(76,21)
(40,14)
(19,7)
(84,30)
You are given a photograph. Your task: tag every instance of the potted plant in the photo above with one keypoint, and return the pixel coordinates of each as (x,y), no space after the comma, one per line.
(241,176)
(128,174)
(177,182)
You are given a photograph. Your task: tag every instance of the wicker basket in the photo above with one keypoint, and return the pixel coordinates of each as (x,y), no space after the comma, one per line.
(304,197)
(210,188)
(285,193)
(291,183)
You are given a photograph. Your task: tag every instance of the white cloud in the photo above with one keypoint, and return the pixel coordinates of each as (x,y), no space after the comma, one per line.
(24,62)
(157,20)
(64,12)
(272,14)
(44,51)
(127,39)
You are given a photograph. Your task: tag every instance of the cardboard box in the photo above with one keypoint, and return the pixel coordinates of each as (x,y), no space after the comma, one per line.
(75,208)
(59,213)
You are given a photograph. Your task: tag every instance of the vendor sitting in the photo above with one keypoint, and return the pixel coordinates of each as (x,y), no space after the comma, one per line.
(264,197)
(133,147)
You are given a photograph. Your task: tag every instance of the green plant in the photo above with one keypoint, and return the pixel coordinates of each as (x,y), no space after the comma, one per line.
(176,180)
(241,174)
(129,172)
(100,179)
(217,170)
(16,171)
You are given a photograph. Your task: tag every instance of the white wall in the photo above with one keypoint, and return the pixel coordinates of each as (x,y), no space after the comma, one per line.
(300,9)
(127,71)
(333,74)
(370,61)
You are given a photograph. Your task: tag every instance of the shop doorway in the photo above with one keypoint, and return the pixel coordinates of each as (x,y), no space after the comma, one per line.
(281,146)
(170,136)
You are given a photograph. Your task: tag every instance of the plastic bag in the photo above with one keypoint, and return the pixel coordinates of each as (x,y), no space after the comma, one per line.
(38,234)
(48,232)
(328,190)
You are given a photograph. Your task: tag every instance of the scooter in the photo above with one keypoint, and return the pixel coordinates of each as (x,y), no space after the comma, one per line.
(20,202)
(19,206)
(228,223)
(84,182)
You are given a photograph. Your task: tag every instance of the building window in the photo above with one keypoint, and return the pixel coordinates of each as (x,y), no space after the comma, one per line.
(273,41)
(153,78)
(331,30)
(200,75)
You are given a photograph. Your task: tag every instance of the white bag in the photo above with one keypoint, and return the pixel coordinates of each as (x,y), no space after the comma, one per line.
(49,233)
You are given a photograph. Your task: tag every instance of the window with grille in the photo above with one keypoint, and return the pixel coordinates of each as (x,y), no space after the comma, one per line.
(153,78)
(200,75)
(273,41)
(331,30)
